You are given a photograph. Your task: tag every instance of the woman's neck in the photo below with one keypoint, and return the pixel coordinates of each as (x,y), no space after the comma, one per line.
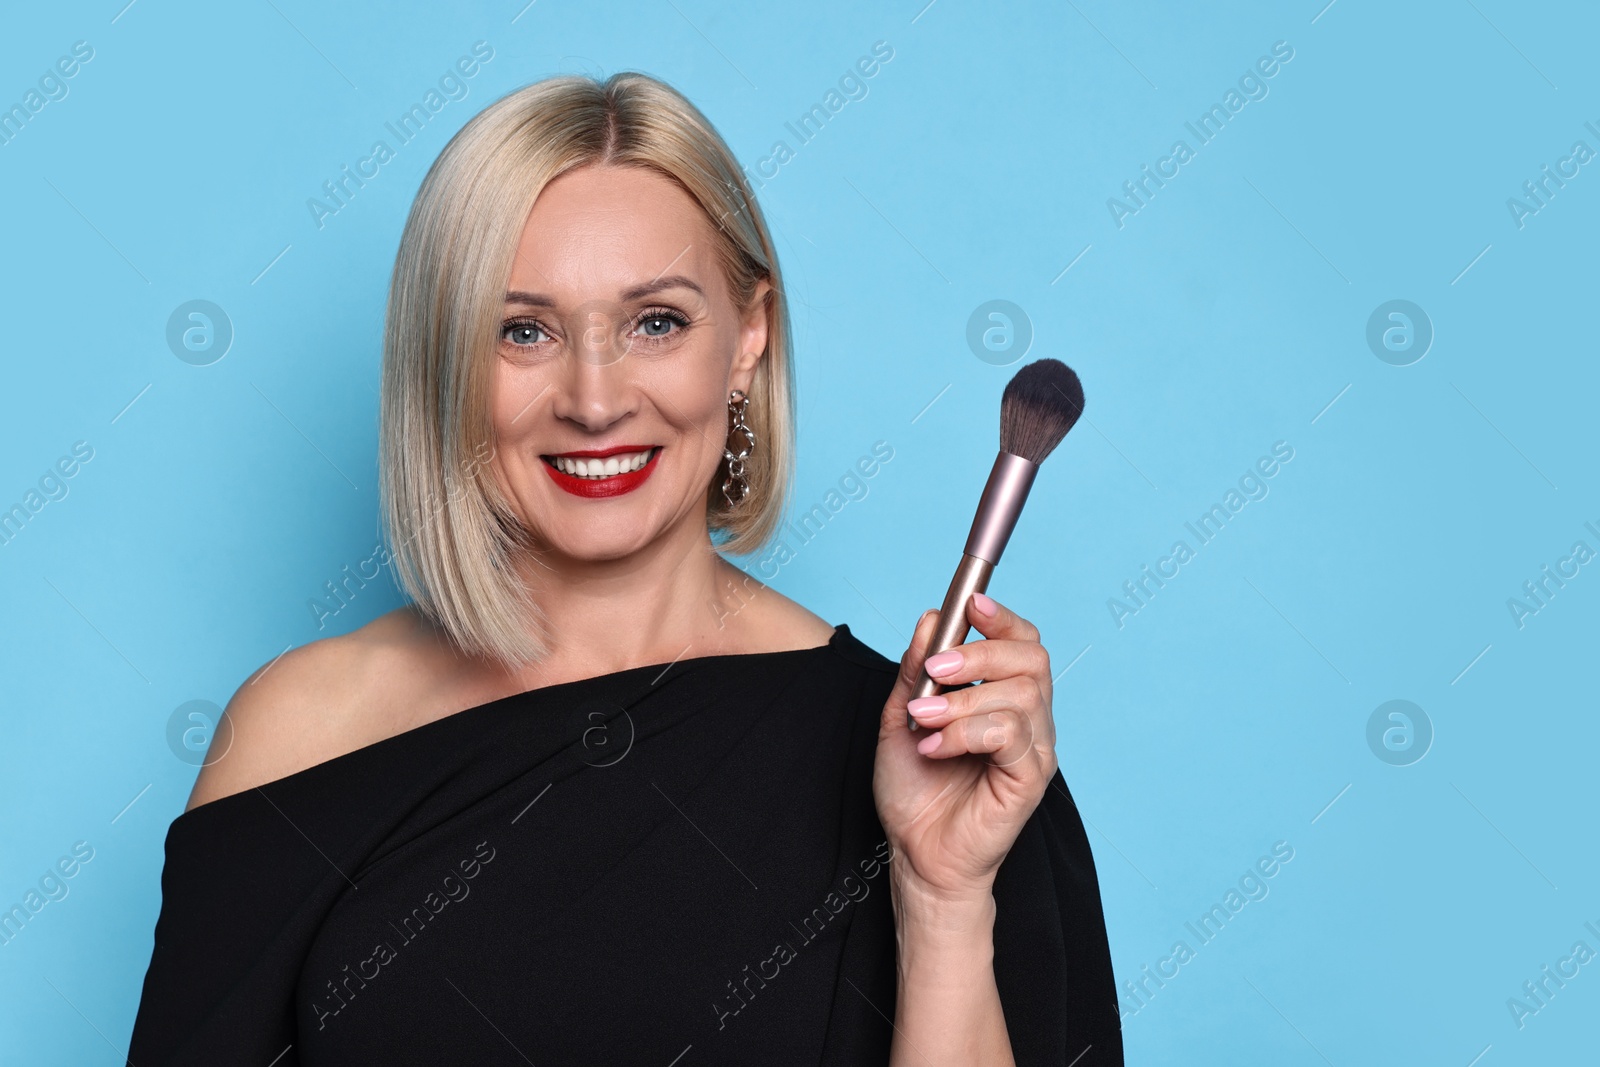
(670,600)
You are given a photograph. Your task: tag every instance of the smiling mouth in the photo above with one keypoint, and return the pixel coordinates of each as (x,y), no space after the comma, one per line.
(598,468)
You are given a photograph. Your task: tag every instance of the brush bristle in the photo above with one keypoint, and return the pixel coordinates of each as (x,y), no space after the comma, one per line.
(1041,403)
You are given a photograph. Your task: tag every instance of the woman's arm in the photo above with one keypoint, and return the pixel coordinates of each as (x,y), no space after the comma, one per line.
(953,796)
(948,1008)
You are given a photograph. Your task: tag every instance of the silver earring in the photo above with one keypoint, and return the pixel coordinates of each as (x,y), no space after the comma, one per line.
(737,486)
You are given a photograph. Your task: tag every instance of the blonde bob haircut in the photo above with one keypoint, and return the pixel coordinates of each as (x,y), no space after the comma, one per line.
(453,534)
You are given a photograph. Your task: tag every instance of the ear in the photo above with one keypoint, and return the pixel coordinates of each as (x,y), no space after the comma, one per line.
(752,337)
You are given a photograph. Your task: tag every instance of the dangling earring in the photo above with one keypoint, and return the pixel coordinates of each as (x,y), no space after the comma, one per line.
(736,482)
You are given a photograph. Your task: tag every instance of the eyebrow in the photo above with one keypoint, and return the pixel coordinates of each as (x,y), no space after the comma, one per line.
(671,281)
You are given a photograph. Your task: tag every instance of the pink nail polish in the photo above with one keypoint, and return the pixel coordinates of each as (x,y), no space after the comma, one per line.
(928,744)
(984,604)
(924,706)
(943,663)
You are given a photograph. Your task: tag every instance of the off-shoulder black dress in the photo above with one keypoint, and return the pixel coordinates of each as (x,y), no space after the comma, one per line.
(668,865)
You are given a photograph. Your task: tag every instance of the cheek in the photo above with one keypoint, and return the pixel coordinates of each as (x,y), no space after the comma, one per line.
(509,394)
(712,420)
(519,409)
(513,423)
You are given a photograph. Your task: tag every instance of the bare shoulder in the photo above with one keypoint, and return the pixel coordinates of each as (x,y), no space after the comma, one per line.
(313,703)
(770,620)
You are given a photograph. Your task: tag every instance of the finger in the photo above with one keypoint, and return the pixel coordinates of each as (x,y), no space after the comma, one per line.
(942,709)
(911,661)
(993,619)
(990,659)
(1018,696)
(1004,735)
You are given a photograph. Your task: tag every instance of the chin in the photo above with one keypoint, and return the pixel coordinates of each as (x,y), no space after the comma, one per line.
(599,542)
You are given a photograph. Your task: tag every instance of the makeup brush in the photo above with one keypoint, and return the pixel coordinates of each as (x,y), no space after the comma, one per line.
(1040,404)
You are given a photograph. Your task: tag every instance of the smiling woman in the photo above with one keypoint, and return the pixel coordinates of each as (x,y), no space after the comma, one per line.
(614,285)
(586,376)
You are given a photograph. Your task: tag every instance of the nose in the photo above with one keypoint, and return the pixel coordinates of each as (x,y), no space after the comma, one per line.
(594,389)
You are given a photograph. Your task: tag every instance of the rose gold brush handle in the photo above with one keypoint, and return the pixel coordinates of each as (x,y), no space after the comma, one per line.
(998,510)
(972,576)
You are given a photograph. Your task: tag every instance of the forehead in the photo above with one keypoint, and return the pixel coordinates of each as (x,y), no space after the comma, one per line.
(599,230)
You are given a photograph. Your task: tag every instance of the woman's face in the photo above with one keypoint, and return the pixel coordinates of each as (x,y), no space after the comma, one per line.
(619,345)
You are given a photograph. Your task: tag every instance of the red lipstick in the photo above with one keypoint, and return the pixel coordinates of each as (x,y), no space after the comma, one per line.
(601,488)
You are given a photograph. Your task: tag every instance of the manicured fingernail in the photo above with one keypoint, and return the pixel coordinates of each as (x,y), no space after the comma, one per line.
(928,744)
(984,604)
(944,663)
(923,707)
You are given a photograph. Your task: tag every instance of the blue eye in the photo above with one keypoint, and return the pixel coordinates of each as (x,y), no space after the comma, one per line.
(524,333)
(659,324)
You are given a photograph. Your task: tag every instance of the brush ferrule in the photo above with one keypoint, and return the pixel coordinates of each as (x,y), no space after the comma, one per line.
(1000,506)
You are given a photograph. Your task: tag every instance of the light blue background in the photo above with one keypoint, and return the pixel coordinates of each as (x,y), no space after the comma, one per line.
(1224,316)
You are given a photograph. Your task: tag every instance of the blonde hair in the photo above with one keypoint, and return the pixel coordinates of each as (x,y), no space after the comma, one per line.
(453,533)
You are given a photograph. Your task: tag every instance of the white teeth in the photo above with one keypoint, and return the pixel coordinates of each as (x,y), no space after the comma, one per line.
(603,468)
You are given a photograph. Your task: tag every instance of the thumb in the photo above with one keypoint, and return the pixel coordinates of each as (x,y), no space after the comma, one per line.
(911,663)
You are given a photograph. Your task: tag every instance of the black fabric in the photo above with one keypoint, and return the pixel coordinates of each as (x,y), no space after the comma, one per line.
(669,861)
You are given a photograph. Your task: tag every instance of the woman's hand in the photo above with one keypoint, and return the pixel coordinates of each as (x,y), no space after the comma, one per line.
(954,795)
